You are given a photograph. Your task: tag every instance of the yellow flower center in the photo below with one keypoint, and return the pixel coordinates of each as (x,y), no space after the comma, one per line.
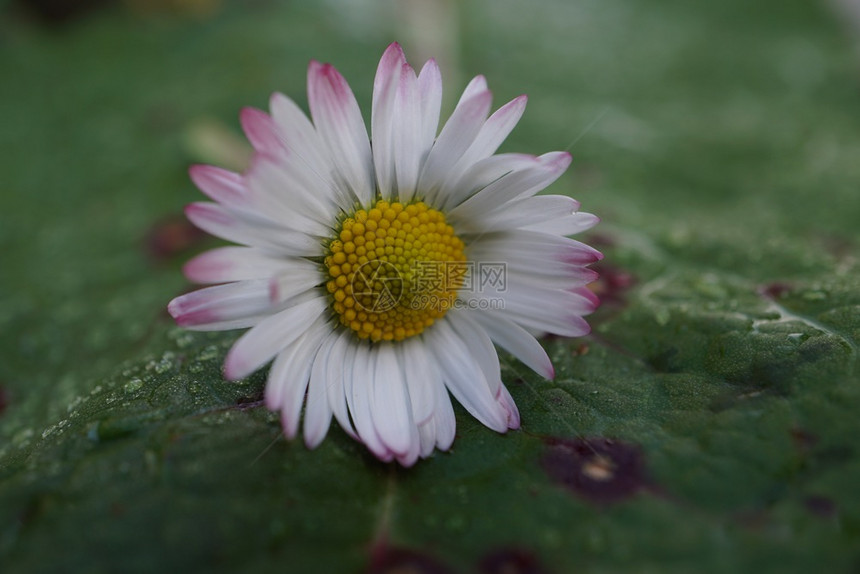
(393,270)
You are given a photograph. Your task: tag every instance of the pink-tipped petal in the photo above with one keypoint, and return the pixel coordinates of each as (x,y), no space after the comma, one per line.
(480,346)
(510,407)
(338,120)
(477,85)
(494,131)
(219,184)
(225,264)
(383,119)
(520,213)
(463,376)
(562,323)
(301,139)
(261,131)
(483,174)
(409,151)
(581,254)
(566,225)
(430,89)
(244,300)
(289,193)
(542,302)
(517,341)
(592,301)
(248,229)
(519,184)
(454,139)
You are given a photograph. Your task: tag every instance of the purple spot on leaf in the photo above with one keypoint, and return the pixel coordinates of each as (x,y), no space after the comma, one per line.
(600,240)
(820,506)
(255,401)
(61,11)
(775,290)
(612,285)
(597,469)
(581,350)
(172,236)
(803,440)
(393,560)
(511,561)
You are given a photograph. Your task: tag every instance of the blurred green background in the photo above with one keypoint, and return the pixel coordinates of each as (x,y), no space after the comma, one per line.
(718,142)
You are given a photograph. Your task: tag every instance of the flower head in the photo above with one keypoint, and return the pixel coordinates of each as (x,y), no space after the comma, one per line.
(379,277)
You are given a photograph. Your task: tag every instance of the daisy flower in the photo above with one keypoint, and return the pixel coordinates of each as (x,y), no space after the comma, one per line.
(379,273)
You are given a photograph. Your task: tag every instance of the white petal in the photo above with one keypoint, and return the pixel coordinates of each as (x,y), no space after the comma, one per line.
(446,422)
(480,346)
(543,272)
(439,429)
(299,279)
(484,173)
(566,225)
(566,278)
(494,131)
(408,149)
(519,213)
(390,408)
(411,456)
(338,371)
(270,336)
(383,117)
(463,376)
(454,139)
(556,311)
(546,319)
(317,410)
(288,377)
(300,137)
(287,192)
(358,395)
(517,341)
(519,184)
(421,378)
(430,88)
(338,120)
(522,245)
(427,437)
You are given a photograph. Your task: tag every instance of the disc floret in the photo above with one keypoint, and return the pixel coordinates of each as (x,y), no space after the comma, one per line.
(393,270)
